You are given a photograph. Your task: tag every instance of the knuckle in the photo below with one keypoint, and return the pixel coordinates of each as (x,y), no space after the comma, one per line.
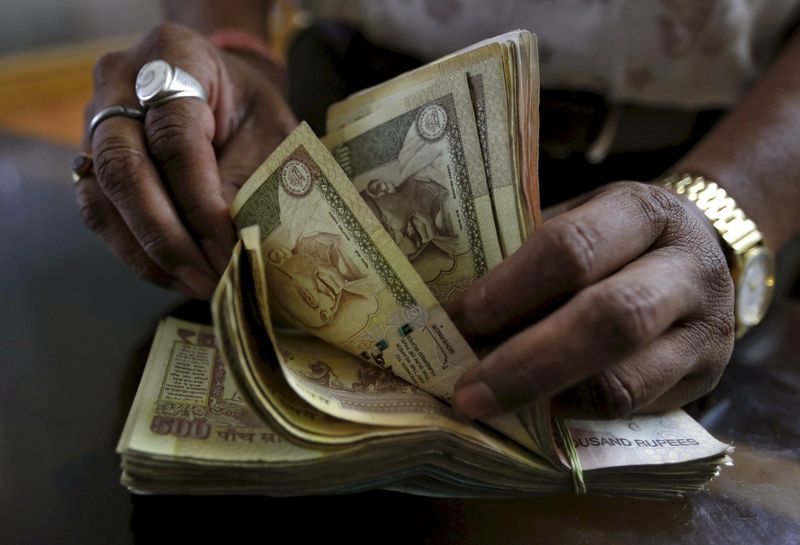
(156,244)
(715,273)
(655,208)
(722,324)
(116,162)
(652,205)
(718,322)
(105,66)
(617,395)
(575,250)
(168,133)
(177,44)
(163,35)
(626,316)
(716,334)
(669,205)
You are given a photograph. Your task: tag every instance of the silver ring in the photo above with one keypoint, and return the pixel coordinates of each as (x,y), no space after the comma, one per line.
(113,111)
(159,82)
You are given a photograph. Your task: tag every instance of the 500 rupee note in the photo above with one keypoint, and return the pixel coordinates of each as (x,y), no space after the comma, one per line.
(334,272)
(490,93)
(417,163)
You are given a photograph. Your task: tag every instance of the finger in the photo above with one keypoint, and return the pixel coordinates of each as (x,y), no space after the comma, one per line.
(598,328)
(131,182)
(703,378)
(102,218)
(685,391)
(179,137)
(567,254)
(260,132)
(677,367)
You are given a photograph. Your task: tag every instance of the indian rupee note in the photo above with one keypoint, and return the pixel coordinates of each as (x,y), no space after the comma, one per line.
(417,163)
(188,407)
(341,386)
(334,271)
(504,94)
(643,440)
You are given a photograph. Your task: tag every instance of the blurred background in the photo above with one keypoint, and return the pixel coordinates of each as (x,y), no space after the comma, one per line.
(75,327)
(47,50)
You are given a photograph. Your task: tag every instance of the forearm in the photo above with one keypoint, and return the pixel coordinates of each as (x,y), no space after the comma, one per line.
(205,16)
(754,152)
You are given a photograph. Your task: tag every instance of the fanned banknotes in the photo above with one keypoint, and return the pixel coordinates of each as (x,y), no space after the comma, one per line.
(331,361)
(191,430)
(503,78)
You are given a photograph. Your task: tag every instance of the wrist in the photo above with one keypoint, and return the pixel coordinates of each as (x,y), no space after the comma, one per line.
(251,48)
(751,262)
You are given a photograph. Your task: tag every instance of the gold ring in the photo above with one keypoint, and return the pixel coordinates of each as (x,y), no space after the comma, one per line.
(82,166)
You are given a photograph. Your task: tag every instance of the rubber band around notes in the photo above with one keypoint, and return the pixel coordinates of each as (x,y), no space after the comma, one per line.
(572,455)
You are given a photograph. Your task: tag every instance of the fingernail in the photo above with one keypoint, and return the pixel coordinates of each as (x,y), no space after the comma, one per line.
(197,281)
(476,400)
(215,254)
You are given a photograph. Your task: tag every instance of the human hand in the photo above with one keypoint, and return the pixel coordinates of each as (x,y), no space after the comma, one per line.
(163,187)
(622,304)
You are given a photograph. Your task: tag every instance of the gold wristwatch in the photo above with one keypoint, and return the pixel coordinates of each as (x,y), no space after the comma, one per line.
(752,263)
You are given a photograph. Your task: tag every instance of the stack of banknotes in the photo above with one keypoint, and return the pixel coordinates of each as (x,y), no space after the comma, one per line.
(331,362)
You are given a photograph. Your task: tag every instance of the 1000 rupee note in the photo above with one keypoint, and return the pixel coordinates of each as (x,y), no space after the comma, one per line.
(647,439)
(417,163)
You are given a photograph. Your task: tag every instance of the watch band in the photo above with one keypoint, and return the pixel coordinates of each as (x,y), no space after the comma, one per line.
(737,230)
(744,244)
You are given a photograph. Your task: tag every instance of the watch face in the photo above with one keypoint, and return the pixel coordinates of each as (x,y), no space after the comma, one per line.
(153,77)
(755,287)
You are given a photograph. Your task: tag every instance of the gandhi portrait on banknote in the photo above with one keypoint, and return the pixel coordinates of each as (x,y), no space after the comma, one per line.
(317,284)
(414,213)
(417,211)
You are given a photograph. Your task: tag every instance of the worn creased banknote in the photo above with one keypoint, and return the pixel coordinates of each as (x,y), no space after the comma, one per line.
(335,272)
(417,163)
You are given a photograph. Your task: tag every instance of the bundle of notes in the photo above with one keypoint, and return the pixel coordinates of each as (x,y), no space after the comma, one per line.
(331,362)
